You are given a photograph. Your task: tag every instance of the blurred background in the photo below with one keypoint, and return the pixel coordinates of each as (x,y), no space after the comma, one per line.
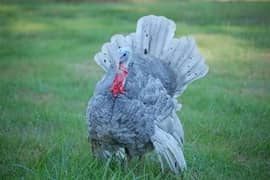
(47,75)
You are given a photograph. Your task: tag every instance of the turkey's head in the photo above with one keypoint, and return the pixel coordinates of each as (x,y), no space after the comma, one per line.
(122,71)
(125,54)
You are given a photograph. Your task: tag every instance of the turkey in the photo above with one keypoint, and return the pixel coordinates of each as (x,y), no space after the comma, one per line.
(133,107)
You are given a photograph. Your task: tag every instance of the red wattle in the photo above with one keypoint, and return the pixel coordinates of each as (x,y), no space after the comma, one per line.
(117,85)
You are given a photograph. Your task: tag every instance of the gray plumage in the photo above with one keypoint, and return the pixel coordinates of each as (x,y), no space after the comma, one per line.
(144,117)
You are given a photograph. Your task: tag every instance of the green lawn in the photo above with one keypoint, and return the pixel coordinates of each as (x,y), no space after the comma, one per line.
(47,75)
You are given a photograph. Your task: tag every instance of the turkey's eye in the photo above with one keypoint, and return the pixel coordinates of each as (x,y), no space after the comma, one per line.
(124,54)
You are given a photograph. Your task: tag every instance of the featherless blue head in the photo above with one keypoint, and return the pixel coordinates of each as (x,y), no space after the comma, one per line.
(124,54)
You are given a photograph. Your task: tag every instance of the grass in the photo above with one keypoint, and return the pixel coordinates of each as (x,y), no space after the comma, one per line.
(47,75)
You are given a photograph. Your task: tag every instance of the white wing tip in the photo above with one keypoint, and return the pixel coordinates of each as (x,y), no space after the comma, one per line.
(168,148)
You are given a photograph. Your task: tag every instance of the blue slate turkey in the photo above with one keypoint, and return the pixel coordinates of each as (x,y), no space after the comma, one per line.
(133,108)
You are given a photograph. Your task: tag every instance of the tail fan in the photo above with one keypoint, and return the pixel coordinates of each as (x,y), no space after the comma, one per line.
(154,38)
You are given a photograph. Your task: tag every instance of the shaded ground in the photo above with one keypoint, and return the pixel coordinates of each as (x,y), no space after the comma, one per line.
(47,75)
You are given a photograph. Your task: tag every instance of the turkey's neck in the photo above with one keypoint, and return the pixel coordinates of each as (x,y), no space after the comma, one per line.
(119,79)
(122,67)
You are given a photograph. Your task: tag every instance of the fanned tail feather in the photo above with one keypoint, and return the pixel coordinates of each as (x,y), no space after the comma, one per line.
(108,56)
(153,33)
(154,38)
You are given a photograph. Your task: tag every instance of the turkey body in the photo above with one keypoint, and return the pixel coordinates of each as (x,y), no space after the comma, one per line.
(127,121)
(144,117)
